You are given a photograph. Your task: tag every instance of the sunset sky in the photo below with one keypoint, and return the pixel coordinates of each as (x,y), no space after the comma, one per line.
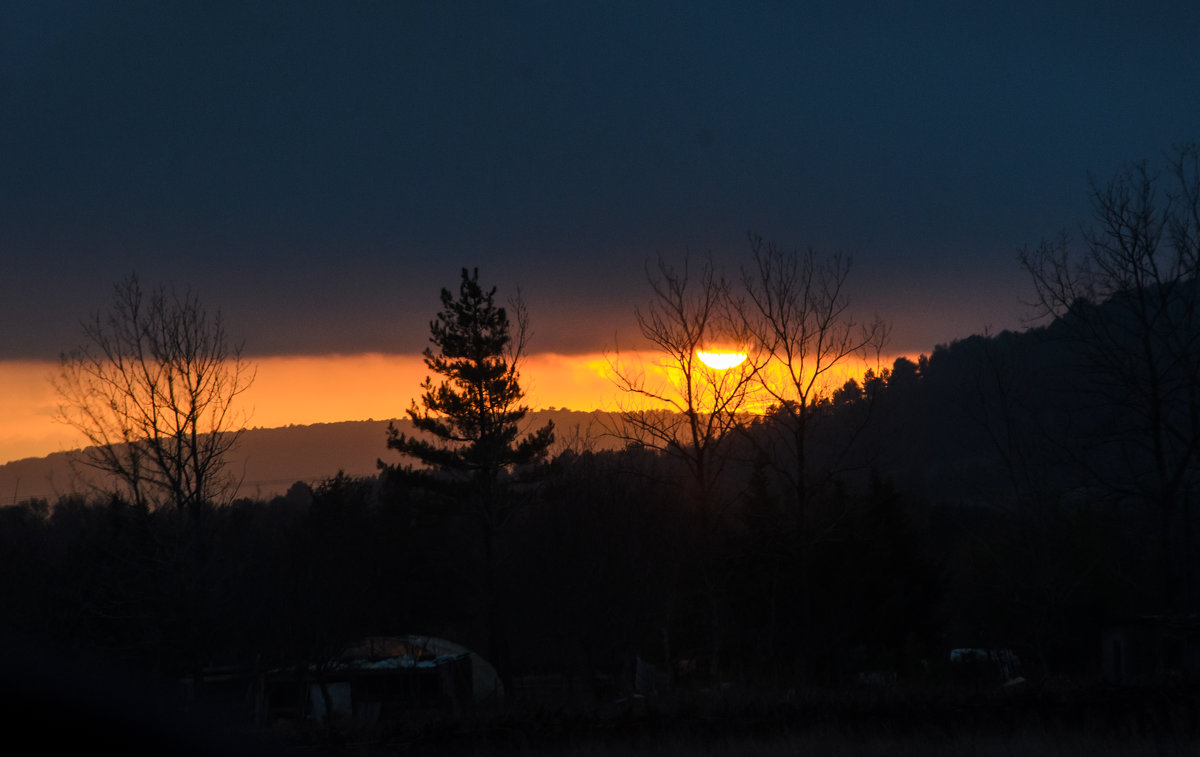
(318,171)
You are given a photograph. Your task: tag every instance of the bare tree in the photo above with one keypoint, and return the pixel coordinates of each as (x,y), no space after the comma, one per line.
(153,393)
(1129,302)
(689,409)
(797,312)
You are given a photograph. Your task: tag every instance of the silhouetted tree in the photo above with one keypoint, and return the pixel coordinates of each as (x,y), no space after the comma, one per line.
(470,419)
(797,313)
(688,409)
(153,392)
(1130,302)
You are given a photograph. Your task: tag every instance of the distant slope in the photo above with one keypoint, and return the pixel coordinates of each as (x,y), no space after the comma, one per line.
(270,460)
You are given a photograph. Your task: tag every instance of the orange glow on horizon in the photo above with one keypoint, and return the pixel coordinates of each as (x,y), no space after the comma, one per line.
(302,390)
(660,377)
(299,390)
(27,408)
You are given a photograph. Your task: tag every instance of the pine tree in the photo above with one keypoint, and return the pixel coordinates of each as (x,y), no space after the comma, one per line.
(470,419)
(474,412)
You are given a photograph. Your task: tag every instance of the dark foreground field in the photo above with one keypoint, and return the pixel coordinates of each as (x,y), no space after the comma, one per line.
(1096,721)
(1033,744)
(1047,719)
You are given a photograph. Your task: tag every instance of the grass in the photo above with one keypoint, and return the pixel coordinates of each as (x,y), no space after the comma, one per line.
(1031,743)
(1094,721)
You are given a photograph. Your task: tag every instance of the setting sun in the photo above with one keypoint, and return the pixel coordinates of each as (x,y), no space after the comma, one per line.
(721,360)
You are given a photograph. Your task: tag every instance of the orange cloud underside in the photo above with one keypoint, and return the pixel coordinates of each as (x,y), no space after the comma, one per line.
(355,387)
(326,389)
(27,404)
(303,390)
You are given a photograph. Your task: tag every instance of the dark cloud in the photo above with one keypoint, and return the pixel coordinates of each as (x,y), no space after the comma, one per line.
(319,171)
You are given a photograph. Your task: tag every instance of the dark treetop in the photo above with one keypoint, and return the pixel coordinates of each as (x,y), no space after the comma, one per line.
(473,413)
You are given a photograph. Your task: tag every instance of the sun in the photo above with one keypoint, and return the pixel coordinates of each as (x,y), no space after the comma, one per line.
(720,360)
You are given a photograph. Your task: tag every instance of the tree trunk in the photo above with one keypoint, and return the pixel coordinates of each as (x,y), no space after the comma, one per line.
(497,642)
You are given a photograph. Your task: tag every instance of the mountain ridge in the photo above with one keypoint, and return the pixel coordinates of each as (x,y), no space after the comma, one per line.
(269,460)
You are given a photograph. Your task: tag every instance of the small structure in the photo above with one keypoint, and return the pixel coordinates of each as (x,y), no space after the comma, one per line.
(976,665)
(1151,648)
(486,685)
(381,675)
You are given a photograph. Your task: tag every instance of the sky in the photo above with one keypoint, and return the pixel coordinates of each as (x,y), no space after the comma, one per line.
(319,171)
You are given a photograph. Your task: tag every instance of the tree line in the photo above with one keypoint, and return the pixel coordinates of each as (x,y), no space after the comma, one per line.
(1020,490)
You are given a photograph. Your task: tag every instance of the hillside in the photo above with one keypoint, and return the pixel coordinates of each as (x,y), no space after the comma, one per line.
(269,460)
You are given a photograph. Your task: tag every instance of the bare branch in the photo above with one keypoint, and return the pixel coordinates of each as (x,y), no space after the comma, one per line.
(153,393)
(689,409)
(797,312)
(1128,301)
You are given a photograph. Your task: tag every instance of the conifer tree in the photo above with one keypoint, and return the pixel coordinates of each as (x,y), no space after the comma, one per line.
(474,411)
(470,418)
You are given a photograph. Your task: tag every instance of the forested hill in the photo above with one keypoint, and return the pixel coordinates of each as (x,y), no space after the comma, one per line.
(978,421)
(269,460)
(995,494)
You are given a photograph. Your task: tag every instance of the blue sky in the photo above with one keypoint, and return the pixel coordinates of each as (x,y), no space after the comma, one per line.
(318,171)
